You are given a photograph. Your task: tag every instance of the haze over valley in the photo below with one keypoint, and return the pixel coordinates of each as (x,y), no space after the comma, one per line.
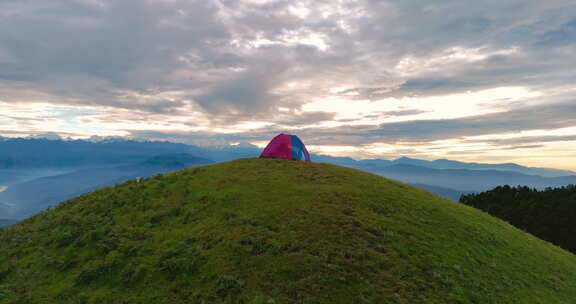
(67,169)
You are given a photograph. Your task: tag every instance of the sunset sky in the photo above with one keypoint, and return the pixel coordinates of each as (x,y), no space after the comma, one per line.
(489,81)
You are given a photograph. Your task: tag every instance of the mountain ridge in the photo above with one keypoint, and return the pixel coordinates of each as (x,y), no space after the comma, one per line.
(7,222)
(469,180)
(130,151)
(51,190)
(113,161)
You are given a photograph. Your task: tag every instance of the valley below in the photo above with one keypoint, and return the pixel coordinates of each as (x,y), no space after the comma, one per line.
(75,168)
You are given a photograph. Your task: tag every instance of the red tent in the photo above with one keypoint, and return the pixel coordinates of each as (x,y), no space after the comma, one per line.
(286,146)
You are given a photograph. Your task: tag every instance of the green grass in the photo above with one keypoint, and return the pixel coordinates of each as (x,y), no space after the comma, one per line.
(260,231)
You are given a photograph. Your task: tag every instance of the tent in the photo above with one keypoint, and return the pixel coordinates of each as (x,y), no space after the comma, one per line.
(286,146)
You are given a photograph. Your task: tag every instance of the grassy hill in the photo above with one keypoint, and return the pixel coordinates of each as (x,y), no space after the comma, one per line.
(275,231)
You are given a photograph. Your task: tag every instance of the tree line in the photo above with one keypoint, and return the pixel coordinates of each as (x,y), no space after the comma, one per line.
(549,214)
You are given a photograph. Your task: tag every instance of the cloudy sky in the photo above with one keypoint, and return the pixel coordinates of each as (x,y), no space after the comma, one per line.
(487,81)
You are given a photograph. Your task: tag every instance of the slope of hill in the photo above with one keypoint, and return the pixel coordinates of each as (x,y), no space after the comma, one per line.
(257,230)
(443,192)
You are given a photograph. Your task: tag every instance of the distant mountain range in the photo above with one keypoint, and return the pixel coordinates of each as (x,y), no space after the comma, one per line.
(4,223)
(45,153)
(375,164)
(40,173)
(469,180)
(30,197)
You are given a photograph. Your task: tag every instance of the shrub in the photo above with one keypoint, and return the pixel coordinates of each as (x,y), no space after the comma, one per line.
(228,286)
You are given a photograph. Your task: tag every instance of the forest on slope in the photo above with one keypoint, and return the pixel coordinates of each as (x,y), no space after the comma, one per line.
(549,214)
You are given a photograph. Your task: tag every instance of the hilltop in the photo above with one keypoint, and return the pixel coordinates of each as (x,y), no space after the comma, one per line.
(275,231)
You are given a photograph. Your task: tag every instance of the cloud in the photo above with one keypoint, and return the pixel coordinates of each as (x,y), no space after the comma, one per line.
(304,119)
(84,53)
(248,94)
(420,132)
(542,117)
(232,56)
(523,147)
(241,70)
(521,140)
